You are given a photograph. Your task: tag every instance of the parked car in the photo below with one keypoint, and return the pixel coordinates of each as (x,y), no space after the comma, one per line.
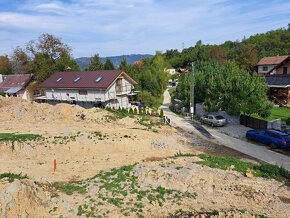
(213,120)
(274,138)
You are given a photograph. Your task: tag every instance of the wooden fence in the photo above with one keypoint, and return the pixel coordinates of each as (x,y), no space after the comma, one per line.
(253,123)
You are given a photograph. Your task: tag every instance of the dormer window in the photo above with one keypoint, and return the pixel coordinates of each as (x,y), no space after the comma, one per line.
(59,79)
(77,79)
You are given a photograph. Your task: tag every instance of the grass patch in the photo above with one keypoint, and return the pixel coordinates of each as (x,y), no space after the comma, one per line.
(264,170)
(11,176)
(70,188)
(13,137)
(276,113)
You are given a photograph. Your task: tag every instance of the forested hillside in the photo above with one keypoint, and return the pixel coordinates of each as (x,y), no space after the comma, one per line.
(84,62)
(246,53)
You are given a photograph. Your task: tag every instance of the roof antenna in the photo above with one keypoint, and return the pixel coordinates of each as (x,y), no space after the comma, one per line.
(68,69)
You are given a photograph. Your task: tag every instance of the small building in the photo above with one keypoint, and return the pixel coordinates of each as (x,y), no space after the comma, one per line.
(170,71)
(274,65)
(15,85)
(105,88)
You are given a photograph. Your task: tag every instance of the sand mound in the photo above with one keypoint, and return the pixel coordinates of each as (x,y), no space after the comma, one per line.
(23,199)
(21,110)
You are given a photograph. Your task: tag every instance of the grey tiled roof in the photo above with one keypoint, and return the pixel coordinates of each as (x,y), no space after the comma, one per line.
(278,80)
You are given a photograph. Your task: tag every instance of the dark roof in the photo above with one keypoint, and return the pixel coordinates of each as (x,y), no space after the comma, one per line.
(15,81)
(272,60)
(87,79)
(278,80)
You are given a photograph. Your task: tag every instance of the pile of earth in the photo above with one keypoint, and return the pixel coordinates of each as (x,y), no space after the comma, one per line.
(172,187)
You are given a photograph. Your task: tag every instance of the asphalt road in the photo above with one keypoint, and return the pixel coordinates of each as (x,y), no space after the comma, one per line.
(260,152)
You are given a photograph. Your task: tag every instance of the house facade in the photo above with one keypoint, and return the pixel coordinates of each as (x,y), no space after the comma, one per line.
(274,65)
(277,74)
(15,85)
(106,88)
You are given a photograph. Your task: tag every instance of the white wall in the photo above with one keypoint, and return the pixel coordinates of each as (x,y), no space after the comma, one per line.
(61,94)
(260,68)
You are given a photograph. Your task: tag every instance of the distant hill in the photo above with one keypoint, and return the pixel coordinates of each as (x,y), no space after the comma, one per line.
(83,62)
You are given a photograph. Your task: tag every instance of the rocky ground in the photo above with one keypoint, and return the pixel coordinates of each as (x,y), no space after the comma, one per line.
(96,175)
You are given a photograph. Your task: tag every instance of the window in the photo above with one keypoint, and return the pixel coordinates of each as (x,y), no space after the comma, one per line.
(98,80)
(265,68)
(59,79)
(219,117)
(83,92)
(77,79)
(285,70)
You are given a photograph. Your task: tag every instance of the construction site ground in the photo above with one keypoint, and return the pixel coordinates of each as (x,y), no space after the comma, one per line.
(89,142)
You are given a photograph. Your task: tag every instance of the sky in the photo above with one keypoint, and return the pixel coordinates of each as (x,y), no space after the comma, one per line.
(119,27)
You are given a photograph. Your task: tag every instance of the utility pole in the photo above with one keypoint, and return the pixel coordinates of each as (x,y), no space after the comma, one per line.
(192,92)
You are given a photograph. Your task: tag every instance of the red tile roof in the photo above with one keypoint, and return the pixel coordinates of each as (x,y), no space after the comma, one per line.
(15,81)
(87,79)
(272,60)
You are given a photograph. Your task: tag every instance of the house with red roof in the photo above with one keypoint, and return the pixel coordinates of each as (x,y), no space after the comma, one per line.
(15,85)
(276,70)
(104,88)
(274,65)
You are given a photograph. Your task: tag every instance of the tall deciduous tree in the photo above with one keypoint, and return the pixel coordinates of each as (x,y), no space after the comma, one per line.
(43,57)
(96,63)
(236,91)
(218,53)
(5,65)
(109,65)
(248,59)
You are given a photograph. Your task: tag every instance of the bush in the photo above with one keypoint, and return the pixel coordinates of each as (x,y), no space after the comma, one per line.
(161,113)
(131,111)
(135,111)
(2,93)
(288,121)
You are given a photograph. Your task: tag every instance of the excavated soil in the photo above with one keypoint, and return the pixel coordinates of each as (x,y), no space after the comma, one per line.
(86,141)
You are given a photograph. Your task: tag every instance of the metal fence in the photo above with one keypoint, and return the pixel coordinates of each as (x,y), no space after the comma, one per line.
(252,122)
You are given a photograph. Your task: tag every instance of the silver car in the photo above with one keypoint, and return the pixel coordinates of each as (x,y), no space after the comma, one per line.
(213,120)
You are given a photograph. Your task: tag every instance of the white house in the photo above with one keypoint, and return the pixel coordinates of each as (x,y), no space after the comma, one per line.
(170,71)
(105,88)
(272,65)
(15,85)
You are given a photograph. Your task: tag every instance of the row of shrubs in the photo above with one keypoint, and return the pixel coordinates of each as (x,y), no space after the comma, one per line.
(135,111)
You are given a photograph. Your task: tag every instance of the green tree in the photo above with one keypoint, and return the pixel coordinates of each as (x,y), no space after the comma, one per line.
(109,65)
(43,57)
(95,63)
(248,59)
(218,53)
(235,91)
(123,65)
(5,65)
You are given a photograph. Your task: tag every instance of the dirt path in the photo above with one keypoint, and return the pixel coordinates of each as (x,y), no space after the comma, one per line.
(247,148)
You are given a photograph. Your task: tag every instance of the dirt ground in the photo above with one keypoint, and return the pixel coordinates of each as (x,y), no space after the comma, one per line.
(85,141)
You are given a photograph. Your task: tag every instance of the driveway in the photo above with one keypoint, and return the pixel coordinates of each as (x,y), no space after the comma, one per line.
(260,152)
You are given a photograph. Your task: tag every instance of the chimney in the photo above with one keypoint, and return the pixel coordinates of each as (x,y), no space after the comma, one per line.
(68,69)
(1,78)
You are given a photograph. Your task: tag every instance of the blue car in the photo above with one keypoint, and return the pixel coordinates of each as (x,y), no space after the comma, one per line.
(274,138)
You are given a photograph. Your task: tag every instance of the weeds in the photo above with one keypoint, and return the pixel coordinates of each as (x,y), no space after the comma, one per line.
(12,176)
(264,170)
